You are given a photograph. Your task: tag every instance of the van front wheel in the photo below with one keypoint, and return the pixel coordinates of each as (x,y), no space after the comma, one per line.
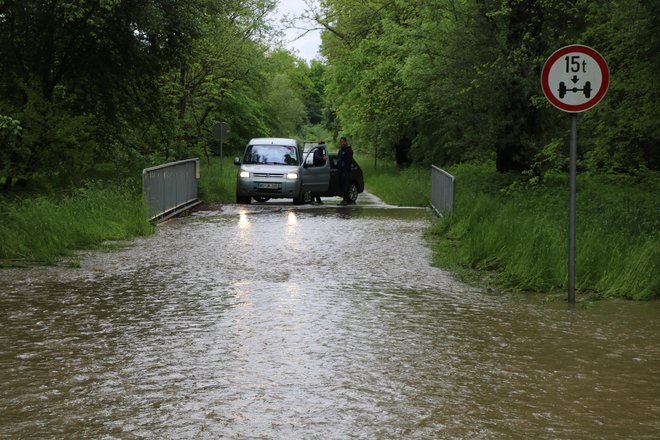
(241,200)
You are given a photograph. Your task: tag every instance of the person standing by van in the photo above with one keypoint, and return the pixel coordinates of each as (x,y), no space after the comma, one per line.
(319,160)
(344,164)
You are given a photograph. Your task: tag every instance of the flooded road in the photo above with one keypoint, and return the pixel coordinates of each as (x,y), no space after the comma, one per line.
(275,322)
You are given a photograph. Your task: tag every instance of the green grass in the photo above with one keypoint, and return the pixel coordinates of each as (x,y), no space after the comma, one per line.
(517,233)
(396,185)
(44,229)
(218,185)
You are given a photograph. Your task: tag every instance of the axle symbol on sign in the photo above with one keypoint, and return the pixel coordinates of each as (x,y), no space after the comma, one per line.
(573,65)
(563,89)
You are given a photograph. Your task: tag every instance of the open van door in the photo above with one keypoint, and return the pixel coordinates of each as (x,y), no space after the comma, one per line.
(315,172)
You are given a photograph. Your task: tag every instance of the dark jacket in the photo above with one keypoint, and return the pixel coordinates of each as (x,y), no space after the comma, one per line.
(345,159)
(319,158)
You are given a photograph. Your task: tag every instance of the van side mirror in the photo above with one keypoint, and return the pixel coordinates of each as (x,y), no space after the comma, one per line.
(237,161)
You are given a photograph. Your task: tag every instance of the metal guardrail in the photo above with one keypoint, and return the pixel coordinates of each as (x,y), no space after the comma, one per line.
(170,188)
(442,190)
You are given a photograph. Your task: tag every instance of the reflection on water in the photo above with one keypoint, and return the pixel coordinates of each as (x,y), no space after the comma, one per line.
(243,221)
(291,218)
(269,322)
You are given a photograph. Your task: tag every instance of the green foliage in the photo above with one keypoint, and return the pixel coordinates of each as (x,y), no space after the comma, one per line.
(10,131)
(317,133)
(286,108)
(445,81)
(135,84)
(41,229)
(73,71)
(518,232)
(9,127)
(423,81)
(221,78)
(623,130)
(314,96)
(395,185)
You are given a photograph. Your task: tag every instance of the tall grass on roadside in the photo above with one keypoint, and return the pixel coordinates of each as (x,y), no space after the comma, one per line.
(42,229)
(218,185)
(518,232)
(395,185)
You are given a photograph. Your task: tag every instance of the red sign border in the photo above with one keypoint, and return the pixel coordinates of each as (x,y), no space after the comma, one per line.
(547,91)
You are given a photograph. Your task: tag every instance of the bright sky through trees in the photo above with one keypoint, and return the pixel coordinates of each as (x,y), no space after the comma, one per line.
(307,46)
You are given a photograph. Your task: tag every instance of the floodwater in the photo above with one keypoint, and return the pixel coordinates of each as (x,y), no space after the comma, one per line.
(281,322)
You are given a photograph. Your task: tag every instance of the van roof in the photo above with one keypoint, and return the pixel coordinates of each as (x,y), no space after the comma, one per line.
(273,141)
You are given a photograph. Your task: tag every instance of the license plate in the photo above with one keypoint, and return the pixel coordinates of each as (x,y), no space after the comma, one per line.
(268,185)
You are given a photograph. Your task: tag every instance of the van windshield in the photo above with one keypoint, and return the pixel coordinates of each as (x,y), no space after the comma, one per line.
(271,155)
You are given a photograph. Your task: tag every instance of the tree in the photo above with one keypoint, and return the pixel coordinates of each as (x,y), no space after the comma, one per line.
(314,96)
(365,87)
(220,79)
(625,134)
(132,82)
(73,69)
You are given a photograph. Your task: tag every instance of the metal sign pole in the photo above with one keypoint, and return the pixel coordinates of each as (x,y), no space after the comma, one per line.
(571,211)
(220,131)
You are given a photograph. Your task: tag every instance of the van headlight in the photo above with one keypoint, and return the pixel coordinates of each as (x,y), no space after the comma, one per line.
(292,176)
(244,174)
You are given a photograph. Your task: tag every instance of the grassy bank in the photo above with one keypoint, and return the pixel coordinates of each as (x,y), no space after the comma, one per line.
(395,185)
(43,229)
(218,184)
(517,232)
(509,233)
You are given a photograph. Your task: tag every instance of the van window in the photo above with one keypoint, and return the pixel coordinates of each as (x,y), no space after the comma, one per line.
(271,155)
(314,159)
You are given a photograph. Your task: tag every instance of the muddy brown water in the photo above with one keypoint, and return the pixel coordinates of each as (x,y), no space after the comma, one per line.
(275,322)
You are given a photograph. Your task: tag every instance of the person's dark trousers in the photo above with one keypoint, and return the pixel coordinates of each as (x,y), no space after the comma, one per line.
(344,185)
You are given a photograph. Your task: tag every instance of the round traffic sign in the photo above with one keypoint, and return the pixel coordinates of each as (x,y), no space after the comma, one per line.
(575,78)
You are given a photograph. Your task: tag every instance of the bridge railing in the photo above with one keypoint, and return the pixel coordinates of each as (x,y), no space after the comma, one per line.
(442,190)
(170,188)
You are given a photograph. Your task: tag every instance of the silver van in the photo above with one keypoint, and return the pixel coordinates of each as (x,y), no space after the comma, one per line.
(270,169)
